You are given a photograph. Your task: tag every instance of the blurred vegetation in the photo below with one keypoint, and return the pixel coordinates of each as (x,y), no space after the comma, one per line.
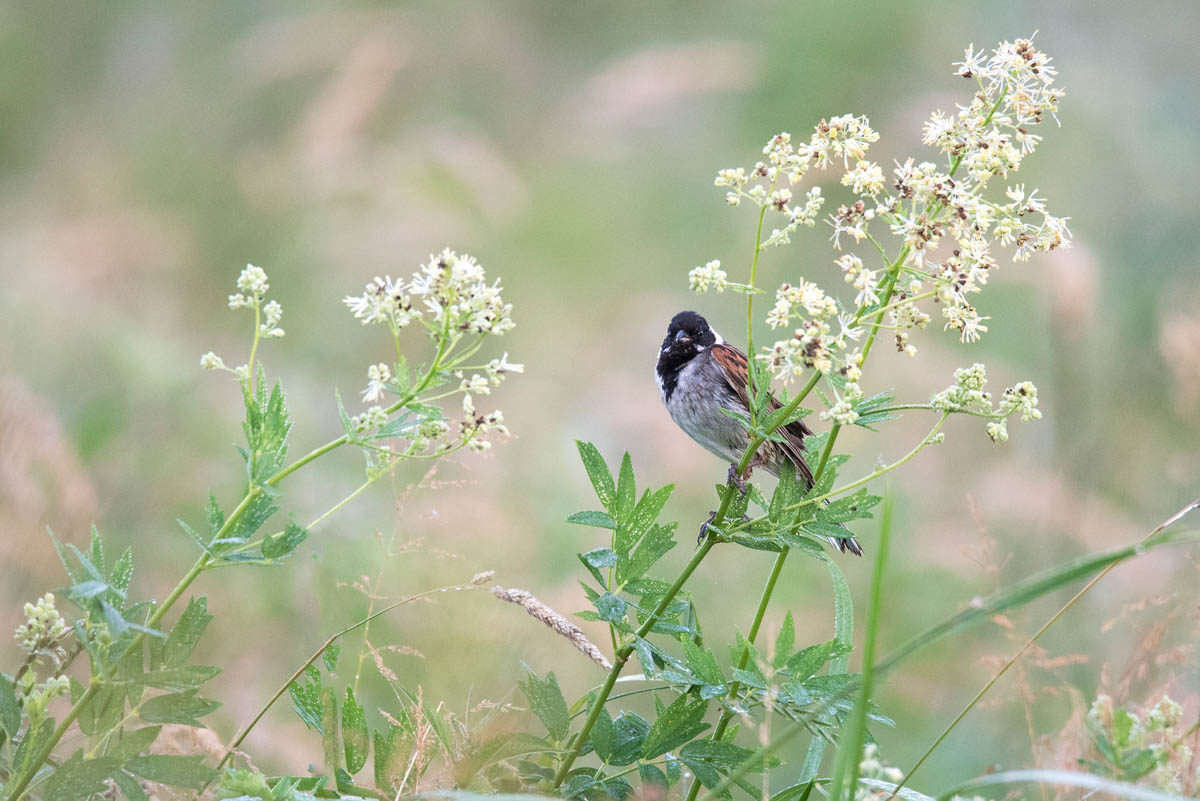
(149,151)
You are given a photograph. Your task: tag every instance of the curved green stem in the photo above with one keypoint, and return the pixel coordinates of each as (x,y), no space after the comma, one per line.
(621,657)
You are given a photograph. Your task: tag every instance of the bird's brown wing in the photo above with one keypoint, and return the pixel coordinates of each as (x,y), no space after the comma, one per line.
(733,364)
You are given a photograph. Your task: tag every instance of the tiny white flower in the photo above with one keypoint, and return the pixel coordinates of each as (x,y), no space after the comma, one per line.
(377,377)
(253,280)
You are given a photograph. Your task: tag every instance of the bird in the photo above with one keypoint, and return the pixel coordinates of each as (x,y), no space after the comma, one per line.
(698,375)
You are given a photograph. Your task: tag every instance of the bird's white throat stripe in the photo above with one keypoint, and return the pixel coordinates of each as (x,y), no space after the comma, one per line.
(720,339)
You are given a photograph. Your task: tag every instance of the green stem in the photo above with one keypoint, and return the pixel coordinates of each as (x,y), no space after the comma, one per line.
(760,613)
(622,656)
(254,344)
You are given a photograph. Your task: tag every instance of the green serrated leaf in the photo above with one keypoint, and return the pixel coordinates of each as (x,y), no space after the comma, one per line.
(282,544)
(626,490)
(851,507)
(173,769)
(213,516)
(184,707)
(76,575)
(355,739)
(785,642)
(596,519)
(547,702)
(183,677)
(330,657)
(182,639)
(647,510)
(702,663)
(600,557)
(10,710)
(134,742)
(597,470)
(676,725)
(104,712)
(611,608)
(603,736)
(645,655)
(388,763)
(725,756)
(36,736)
(629,732)
(122,573)
(258,511)
(808,661)
(329,729)
(191,532)
(653,546)
(79,778)
(130,787)
(348,427)
(307,703)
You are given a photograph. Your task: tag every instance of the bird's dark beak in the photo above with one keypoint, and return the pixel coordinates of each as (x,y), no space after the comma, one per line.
(682,335)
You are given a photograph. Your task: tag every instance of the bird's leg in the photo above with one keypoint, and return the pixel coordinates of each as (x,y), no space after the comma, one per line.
(737,479)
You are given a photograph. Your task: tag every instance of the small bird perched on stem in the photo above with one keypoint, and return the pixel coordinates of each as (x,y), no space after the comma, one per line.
(698,374)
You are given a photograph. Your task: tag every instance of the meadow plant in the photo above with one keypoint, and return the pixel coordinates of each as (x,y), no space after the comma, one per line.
(912,243)
(139,678)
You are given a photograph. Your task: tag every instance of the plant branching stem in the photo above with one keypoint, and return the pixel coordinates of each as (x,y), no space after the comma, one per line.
(203,562)
(622,655)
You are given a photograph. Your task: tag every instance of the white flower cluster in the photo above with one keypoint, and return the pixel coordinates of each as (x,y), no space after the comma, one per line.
(762,188)
(253,285)
(814,344)
(967,395)
(929,205)
(43,626)
(710,276)
(378,376)
(475,426)
(454,291)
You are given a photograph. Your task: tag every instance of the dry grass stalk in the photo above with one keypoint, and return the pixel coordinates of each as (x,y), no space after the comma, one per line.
(555,621)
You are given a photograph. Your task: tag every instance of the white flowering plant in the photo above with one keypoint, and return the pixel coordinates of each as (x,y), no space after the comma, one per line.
(139,677)
(917,242)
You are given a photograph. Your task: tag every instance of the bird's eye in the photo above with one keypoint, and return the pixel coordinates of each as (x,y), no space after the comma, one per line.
(681,335)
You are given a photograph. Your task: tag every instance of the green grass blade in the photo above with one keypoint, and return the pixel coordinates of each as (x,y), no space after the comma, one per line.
(845,774)
(1030,589)
(843,632)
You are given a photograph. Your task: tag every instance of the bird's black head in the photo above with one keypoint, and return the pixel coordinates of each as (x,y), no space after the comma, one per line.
(688,335)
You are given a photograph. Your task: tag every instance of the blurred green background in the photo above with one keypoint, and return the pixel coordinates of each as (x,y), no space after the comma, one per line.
(149,151)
